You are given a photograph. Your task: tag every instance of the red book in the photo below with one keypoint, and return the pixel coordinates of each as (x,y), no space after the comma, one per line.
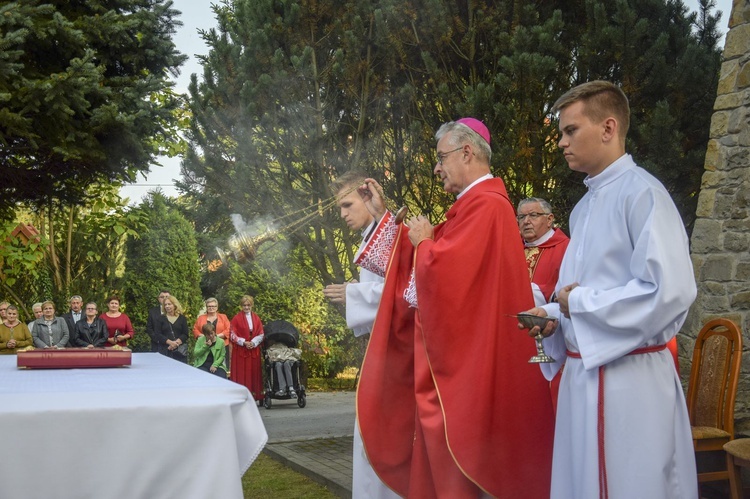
(71,358)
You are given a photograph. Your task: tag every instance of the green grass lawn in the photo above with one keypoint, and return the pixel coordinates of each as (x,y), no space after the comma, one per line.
(269,479)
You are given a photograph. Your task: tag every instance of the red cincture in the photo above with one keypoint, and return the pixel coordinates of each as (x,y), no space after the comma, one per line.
(603,492)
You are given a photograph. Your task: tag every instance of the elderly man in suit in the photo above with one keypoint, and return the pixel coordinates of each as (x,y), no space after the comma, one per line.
(72,316)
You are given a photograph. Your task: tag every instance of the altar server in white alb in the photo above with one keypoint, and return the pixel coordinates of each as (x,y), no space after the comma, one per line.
(362,300)
(360,297)
(626,283)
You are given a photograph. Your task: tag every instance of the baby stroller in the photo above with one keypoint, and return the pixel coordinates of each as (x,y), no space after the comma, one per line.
(285,333)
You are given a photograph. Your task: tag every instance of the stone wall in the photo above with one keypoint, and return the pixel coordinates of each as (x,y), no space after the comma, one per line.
(720,242)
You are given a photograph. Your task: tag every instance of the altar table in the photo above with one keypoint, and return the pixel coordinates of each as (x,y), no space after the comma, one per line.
(157,429)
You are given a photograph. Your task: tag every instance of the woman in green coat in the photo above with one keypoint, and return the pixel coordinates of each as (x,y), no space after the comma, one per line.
(208,353)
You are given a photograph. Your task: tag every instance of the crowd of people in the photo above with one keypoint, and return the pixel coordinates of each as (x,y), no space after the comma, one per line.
(473,418)
(220,343)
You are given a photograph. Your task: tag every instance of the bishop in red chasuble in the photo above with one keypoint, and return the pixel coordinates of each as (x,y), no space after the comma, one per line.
(447,403)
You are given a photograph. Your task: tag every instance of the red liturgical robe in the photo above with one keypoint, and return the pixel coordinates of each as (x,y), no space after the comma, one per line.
(544,268)
(447,403)
(544,262)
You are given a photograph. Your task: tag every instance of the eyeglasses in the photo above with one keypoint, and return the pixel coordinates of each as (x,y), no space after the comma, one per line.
(533,215)
(211,306)
(441,156)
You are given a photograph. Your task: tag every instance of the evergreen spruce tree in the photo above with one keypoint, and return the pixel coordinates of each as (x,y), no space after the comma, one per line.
(164,256)
(84,93)
(294,93)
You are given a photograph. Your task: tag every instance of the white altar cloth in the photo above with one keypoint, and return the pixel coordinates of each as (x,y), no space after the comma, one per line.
(157,429)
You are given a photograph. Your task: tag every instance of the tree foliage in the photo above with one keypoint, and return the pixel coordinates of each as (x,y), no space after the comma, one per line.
(85,94)
(295,92)
(21,267)
(80,250)
(285,286)
(163,256)
(85,254)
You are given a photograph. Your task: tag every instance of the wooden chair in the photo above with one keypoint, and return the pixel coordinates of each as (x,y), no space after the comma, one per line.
(713,388)
(738,456)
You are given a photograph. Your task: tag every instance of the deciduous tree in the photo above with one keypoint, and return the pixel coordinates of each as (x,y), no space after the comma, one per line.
(79,249)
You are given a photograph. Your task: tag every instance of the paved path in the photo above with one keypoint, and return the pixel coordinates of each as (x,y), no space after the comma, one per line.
(316,440)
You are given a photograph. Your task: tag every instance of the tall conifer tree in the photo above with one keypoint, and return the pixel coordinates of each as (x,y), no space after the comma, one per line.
(84,94)
(295,92)
(164,255)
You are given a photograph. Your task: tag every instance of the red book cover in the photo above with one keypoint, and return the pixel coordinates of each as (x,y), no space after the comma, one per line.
(71,358)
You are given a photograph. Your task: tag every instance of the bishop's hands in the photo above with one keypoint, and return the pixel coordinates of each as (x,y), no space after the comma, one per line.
(420,229)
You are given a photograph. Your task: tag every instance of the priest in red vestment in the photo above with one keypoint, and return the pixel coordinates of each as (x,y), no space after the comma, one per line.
(246,335)
(447,403)
(544,247)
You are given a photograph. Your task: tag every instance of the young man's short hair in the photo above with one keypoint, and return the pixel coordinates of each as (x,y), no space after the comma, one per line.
(601,99)
(349,180)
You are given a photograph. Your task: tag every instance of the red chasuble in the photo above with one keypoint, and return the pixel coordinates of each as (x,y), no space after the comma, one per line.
(544,262)
(246,363)
(447,403)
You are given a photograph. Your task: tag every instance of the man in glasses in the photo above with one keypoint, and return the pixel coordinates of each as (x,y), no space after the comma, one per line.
(544,246)
(447,403)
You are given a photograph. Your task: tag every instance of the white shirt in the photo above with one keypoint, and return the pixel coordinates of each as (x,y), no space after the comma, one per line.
(629,254)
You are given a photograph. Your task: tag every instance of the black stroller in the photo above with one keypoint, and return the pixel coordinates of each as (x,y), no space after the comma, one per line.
(281,332)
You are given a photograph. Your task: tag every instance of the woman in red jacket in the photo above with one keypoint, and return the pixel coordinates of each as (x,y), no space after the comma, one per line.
(118,324)
(246,336)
